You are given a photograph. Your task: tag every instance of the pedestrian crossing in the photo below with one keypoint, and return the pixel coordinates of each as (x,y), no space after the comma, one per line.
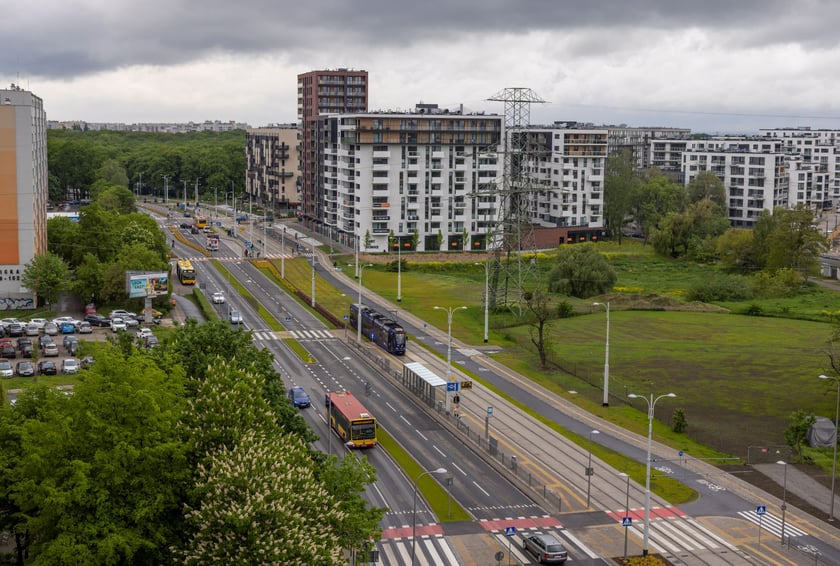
(772,524)
(299,335)
(430,548)
(673,531)
(199,259)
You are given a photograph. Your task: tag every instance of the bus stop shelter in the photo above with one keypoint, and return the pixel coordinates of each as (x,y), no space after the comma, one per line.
(424,383)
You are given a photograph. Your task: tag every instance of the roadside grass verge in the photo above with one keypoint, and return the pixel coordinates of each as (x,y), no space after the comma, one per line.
(445,508)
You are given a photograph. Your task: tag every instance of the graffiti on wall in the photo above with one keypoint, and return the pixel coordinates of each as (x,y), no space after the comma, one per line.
(9,304)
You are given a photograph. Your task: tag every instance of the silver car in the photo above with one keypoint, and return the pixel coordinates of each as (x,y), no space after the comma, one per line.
(546,549)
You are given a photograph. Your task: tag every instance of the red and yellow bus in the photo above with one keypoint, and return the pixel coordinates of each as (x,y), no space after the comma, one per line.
(186,272)
(200,221)
(349,418)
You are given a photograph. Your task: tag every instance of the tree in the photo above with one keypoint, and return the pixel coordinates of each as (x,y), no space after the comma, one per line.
(113,173)
(116,198)
(538,303)
(735,247)
(690,232)
(620,187)
(707,185)
(794,241)
(90,278)
(655,199)
(580,271)
(46,276)
(102,472)
(797,433)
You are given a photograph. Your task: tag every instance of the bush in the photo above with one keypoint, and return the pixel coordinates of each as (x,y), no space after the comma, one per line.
(721,287)
(776,284)
(679,424)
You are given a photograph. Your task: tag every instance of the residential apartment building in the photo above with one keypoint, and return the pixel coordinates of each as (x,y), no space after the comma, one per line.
(424,180)
(271,167)
(566,168)
(638,141)
(338,91)
(23,191)
(754,172)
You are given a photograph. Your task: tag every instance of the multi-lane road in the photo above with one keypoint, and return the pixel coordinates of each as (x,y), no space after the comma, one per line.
(546,488)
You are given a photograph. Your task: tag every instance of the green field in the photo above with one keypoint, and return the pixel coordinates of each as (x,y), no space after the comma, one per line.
(737,377)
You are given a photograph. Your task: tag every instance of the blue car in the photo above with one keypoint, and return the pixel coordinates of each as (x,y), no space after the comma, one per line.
(299,397)
(67,328)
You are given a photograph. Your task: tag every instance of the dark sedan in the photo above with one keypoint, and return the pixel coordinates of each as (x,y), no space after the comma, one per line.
(47,367)
(98,320)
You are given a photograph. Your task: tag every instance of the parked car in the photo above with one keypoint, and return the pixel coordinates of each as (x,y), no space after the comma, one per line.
(44,340)
(5,322)
(6,369)
(218,298)
(299,397)
(24,347)
(69,365)
(51,350)
(143,333)
(50,328)
(97,320)
(7,349)
(47,367)
(67,328)
(120,313)
(31,329)
(85,327)
(69,340)
(39,322)
(151,342)
(25,369)
(62,319)
(131,321)
(118,324)
(235,317)
(86,362)
(546,549)
(14,329)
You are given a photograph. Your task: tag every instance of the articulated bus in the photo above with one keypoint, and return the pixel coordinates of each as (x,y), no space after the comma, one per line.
(379,329)
(186,272)
(349,418)
(200,222)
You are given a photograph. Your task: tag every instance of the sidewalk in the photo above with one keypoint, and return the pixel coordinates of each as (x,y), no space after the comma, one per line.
(796,482)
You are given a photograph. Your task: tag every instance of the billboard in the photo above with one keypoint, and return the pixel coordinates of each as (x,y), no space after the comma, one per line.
(146,284)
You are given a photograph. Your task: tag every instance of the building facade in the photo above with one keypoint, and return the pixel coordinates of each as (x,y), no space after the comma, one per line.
(23,191)
(271,167)
(337,91)
(423,180)
(754,172)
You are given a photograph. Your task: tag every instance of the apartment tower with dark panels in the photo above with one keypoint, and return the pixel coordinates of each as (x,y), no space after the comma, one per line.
(338,91)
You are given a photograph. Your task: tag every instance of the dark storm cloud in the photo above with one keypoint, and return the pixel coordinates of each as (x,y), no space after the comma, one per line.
(62,39)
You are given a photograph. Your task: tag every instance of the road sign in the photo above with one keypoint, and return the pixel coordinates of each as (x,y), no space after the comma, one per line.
(466,385)
(247,243)
(489,411)
(627,521)
(761,509)
(681,453)
(288,319)
(510,531)
(452,386)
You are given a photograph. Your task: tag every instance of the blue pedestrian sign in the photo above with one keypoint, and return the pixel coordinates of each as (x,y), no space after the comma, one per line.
(627,521)
(247,243)
(510,531)
(288,319)
(452,386)
(760,509)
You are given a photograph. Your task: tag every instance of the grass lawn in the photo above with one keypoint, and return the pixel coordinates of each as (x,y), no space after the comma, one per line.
(736,377)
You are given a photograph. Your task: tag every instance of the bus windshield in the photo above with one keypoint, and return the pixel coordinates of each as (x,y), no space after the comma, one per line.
(363,431)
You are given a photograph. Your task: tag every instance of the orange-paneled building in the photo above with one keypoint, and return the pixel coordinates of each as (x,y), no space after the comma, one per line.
(23,191)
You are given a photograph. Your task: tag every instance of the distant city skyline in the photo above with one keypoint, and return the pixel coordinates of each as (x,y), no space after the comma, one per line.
(713,67)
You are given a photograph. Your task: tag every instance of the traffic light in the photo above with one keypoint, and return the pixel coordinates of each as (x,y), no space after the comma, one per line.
(456,399)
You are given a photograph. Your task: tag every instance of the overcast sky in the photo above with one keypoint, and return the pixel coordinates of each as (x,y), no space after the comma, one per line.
(710,65)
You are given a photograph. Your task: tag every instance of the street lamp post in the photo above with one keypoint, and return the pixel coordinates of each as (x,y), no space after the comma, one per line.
(361,269)
(449,312)
(399,269)
(589,471)
(606,402)
(313,276)
(651,403)
(414,512)
(486,299)
(283,253)
(626,511)
(784,499)
(834,464)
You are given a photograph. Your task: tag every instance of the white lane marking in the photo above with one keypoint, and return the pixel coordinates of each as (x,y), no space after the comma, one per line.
(439,450)
(459,469)
(481,488)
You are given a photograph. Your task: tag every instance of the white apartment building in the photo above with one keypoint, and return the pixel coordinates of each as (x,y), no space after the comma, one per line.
(23,191)
(567,167)
(424,180)
(754,172)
